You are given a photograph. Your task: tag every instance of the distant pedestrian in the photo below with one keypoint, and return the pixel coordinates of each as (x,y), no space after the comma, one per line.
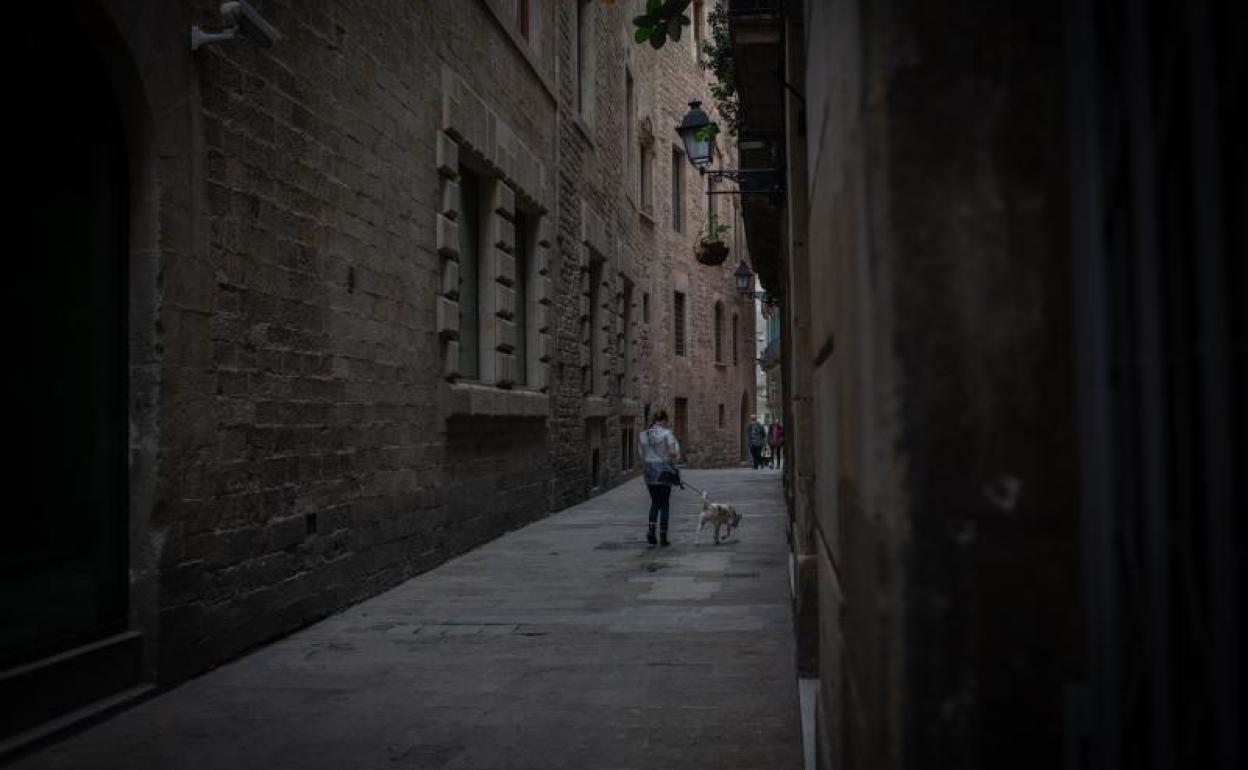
(757,435)
(659,452)
(775,440)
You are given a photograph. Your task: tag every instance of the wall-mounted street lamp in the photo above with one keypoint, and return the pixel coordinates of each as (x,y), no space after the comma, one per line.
(697,131)
(745,287)
(745,279)
(699,138)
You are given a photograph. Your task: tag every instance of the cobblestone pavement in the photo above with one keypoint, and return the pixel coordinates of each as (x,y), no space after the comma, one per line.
(567,644)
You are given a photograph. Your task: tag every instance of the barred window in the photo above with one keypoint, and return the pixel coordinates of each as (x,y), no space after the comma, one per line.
(719,332)
(678,320)
(469,243)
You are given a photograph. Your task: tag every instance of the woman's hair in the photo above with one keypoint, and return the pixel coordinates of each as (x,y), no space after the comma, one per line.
(659,416)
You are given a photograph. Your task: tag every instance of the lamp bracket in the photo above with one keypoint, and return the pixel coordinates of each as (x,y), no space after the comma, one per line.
(749,181)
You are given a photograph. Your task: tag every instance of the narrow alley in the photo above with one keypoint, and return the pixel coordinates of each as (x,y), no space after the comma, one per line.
(565,644)
(345,338)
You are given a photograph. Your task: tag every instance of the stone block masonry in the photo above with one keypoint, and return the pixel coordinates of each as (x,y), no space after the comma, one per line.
(310,454)
(616,241)
(403,298)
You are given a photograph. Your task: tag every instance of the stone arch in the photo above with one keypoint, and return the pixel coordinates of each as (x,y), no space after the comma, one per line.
(147,59)
(124,113)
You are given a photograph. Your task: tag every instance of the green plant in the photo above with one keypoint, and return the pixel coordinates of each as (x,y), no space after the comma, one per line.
(663,19)
(714,229)
(666,19)
(709,131)
(717,58)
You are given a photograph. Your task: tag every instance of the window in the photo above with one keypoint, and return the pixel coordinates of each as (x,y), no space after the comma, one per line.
(678,190)
(678,320)
(734,339)
(469,252)
(522,18)
(596,385)
(682,424)
(630,127)
(645,307)
(711,198)
(699,20)
(628,440)
(521,287)
(721,416)
(584,56)
(645,178)
(626,341)
(719,332)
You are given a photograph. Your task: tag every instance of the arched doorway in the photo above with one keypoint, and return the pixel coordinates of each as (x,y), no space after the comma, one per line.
(63,560)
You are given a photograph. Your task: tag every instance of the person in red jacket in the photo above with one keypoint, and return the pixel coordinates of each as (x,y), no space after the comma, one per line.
(775,440)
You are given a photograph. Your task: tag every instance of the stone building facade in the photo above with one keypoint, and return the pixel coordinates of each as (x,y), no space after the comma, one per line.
(370,296)
(630,211)
(1013,375)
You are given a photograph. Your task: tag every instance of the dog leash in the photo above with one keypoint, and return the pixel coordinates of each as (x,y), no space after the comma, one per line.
(695,489)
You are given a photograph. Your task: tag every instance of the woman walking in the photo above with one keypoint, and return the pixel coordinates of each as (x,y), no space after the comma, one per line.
(659,451)
(775,440)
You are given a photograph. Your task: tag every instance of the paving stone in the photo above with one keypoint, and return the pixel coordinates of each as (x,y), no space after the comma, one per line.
(536,650)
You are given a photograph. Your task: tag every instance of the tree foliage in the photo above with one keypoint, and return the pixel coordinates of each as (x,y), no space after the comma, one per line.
(717,58)
(666,19)
(662,20)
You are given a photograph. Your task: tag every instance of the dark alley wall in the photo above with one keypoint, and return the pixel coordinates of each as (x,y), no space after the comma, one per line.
(1017,511)
(938,227)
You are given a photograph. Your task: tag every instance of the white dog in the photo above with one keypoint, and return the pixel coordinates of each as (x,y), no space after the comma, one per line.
(720,515)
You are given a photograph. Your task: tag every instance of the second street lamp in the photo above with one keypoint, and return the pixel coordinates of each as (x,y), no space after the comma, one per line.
(744,276)
(745,287)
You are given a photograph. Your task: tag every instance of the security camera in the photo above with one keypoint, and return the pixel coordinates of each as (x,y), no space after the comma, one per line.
(241,20)
(250,23)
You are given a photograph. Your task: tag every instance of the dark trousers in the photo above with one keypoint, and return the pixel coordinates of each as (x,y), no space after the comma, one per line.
(660,504)
(757,453)
(776,451)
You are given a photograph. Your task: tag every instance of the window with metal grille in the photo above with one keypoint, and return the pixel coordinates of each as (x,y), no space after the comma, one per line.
(584,57)
(645,179)
(626,340)
(678,190)
(630,127)
(735,321)
(524,231)
(469,238)
(719,332)
(678,322)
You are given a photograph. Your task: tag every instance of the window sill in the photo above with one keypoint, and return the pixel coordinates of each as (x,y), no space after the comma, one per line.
(646,214)
(471,399)
(721,365)
(597,407)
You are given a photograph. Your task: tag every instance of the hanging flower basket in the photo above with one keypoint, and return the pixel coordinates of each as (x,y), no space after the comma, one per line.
(711,253)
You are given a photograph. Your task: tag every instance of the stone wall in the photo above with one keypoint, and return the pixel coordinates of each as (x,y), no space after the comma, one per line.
(606,234)
(315,449)
(304,432)
(944,484)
